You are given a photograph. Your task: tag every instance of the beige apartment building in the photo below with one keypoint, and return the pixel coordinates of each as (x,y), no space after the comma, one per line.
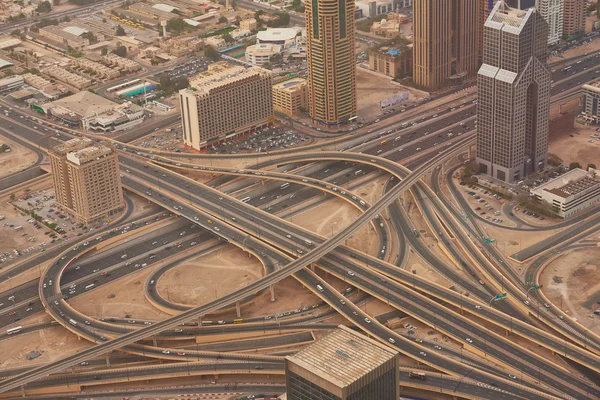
(331,61)
(249,24)
(394,62)
(86,179)
(225,101)
(67,77)
(66,37)
(573,17)
(98,69)
(122,63)
(290,97)
(446,42)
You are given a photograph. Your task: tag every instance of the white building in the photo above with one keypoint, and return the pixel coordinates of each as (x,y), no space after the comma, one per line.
(372,8)
(286,37)
(260,54)
(552,12)
(570,193)
(591,107)
(10,83)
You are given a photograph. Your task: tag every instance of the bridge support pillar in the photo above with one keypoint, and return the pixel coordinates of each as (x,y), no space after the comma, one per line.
(23,391)
(312,267)
(107,358)
(272,289)
(506,332)
(200,320)
(238,312)
(154,342)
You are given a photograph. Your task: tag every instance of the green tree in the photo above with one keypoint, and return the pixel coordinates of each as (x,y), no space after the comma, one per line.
(574,165)
(283,19)
(104,51)
(13,197)
(227,38)
(223,19)
(44,7)
(257,15)
(211,53)
(120,31)
(177,25)
(121,51)
(590,165)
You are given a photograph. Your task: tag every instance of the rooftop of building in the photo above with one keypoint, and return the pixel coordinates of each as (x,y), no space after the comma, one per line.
(571,183)
(220,74)
(85,104)
(277,34)
(264,48)
(508,16)
(5,63)
(343,356)
(290,85)
(594,86)
(72,145)
(7,42)
(88,154)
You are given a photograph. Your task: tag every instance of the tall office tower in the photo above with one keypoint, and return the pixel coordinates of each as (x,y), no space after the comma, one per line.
(331,60)
(445,41)
(86,179)
(573,17)
(514,94)
(225,101)
(344,365)
(550,10)
(485,8)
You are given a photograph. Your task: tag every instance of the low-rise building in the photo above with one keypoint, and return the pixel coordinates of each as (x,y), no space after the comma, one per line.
(122,63)
(10,83)
(386,28)
(67,77)
(394,62)
(95,68)
(70,36)
(591,107)
(249,24)
(181,46)
(570,193)
(260,54)
(290,97)
(373,8)
(285,37)
(95,113)
(216,42)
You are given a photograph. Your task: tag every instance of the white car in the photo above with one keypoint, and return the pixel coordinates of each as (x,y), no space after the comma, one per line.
(367,320)
(391,340)
(350,273)
(423,353)
(469,340)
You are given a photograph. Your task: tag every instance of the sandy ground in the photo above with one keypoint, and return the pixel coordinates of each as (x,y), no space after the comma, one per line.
(334,215)
(577,148)
(197,281)
(17,159)
(572,281)
(424,270)
(119,298)
(371,88)
(54,343)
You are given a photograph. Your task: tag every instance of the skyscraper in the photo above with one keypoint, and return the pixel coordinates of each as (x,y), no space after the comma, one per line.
(344,365)
(573,17)
(550,10)
(446,41)
(331,61)
(514,94)
(86,179)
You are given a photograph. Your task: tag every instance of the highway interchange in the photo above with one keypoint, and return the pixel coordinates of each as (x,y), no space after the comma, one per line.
(269,243)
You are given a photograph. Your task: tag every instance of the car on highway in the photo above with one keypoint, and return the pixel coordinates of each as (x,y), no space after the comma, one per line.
(351,273)
(166,352)
(469,340)
(419,340)
(391,340)
(512,376)
(422,353)
(367,320)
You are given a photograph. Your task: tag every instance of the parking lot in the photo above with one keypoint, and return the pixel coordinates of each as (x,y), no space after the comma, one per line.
(188,69)
(261,141)
(163,140)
